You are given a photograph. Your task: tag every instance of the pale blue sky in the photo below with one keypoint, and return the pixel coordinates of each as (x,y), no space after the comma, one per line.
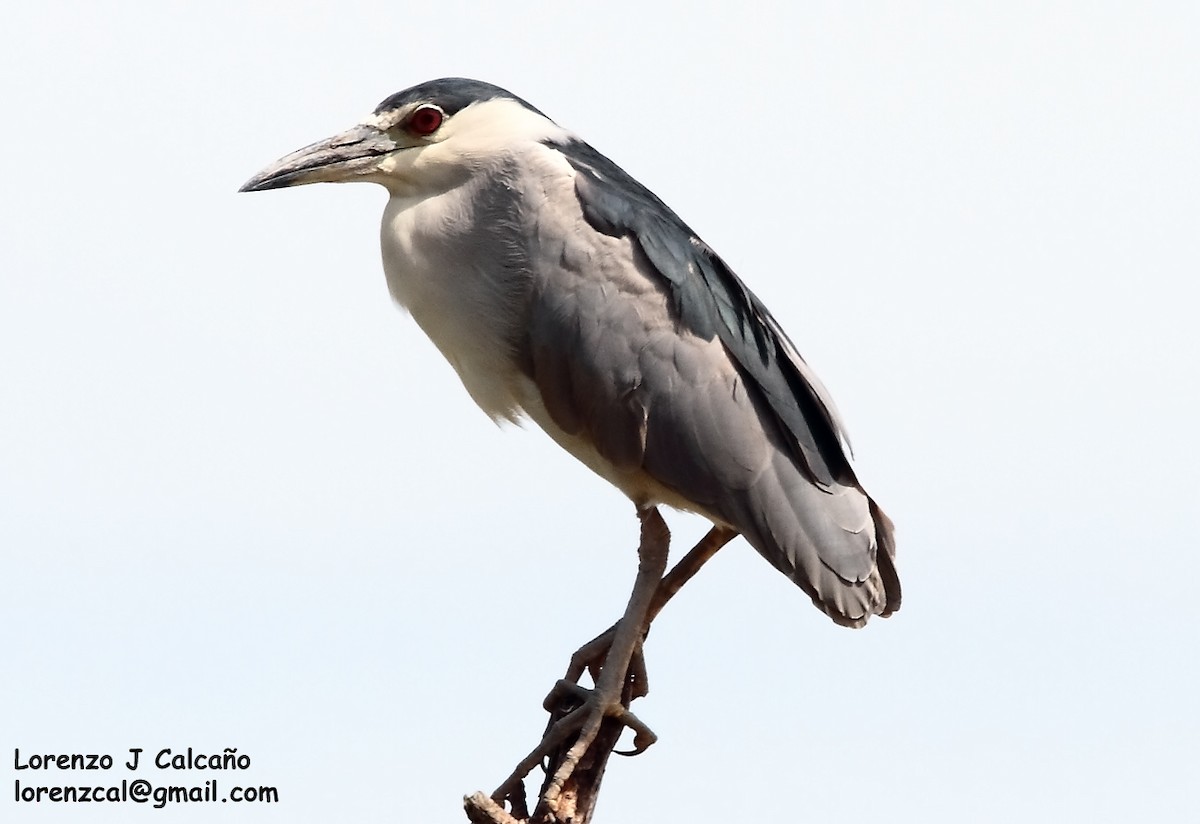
(243,502)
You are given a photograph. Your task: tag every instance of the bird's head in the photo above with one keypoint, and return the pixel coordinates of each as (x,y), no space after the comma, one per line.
(417,141)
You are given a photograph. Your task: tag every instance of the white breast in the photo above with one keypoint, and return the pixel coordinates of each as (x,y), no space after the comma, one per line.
(452,293)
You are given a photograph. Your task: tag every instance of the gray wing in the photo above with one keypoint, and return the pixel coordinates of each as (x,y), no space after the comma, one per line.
(655,352)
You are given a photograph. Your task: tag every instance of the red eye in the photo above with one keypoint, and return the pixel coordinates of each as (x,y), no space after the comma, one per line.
(425,120)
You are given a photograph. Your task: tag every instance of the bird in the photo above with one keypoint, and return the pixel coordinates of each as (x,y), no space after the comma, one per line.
(563,291)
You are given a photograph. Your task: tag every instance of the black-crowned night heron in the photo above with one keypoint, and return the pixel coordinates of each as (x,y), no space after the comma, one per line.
(561,289)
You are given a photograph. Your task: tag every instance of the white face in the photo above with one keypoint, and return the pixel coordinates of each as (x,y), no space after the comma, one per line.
(473,138)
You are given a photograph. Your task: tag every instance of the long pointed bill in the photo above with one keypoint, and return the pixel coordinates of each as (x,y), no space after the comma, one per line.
(342,157)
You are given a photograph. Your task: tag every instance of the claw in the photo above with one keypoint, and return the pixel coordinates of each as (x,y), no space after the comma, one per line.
(643,736)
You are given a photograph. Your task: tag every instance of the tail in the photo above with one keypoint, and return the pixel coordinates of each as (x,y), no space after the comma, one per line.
(834,542)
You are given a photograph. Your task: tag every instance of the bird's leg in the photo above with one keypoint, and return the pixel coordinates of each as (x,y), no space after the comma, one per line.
(567,702)
(590,656)
(608,699)
(574,709)
(688,566)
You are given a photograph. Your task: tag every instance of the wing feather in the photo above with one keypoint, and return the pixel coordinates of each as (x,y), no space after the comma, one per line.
(650,348)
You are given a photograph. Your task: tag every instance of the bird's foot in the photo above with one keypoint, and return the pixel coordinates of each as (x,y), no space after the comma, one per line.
(574,707)
(576,717)
(591,657)
(591,722)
